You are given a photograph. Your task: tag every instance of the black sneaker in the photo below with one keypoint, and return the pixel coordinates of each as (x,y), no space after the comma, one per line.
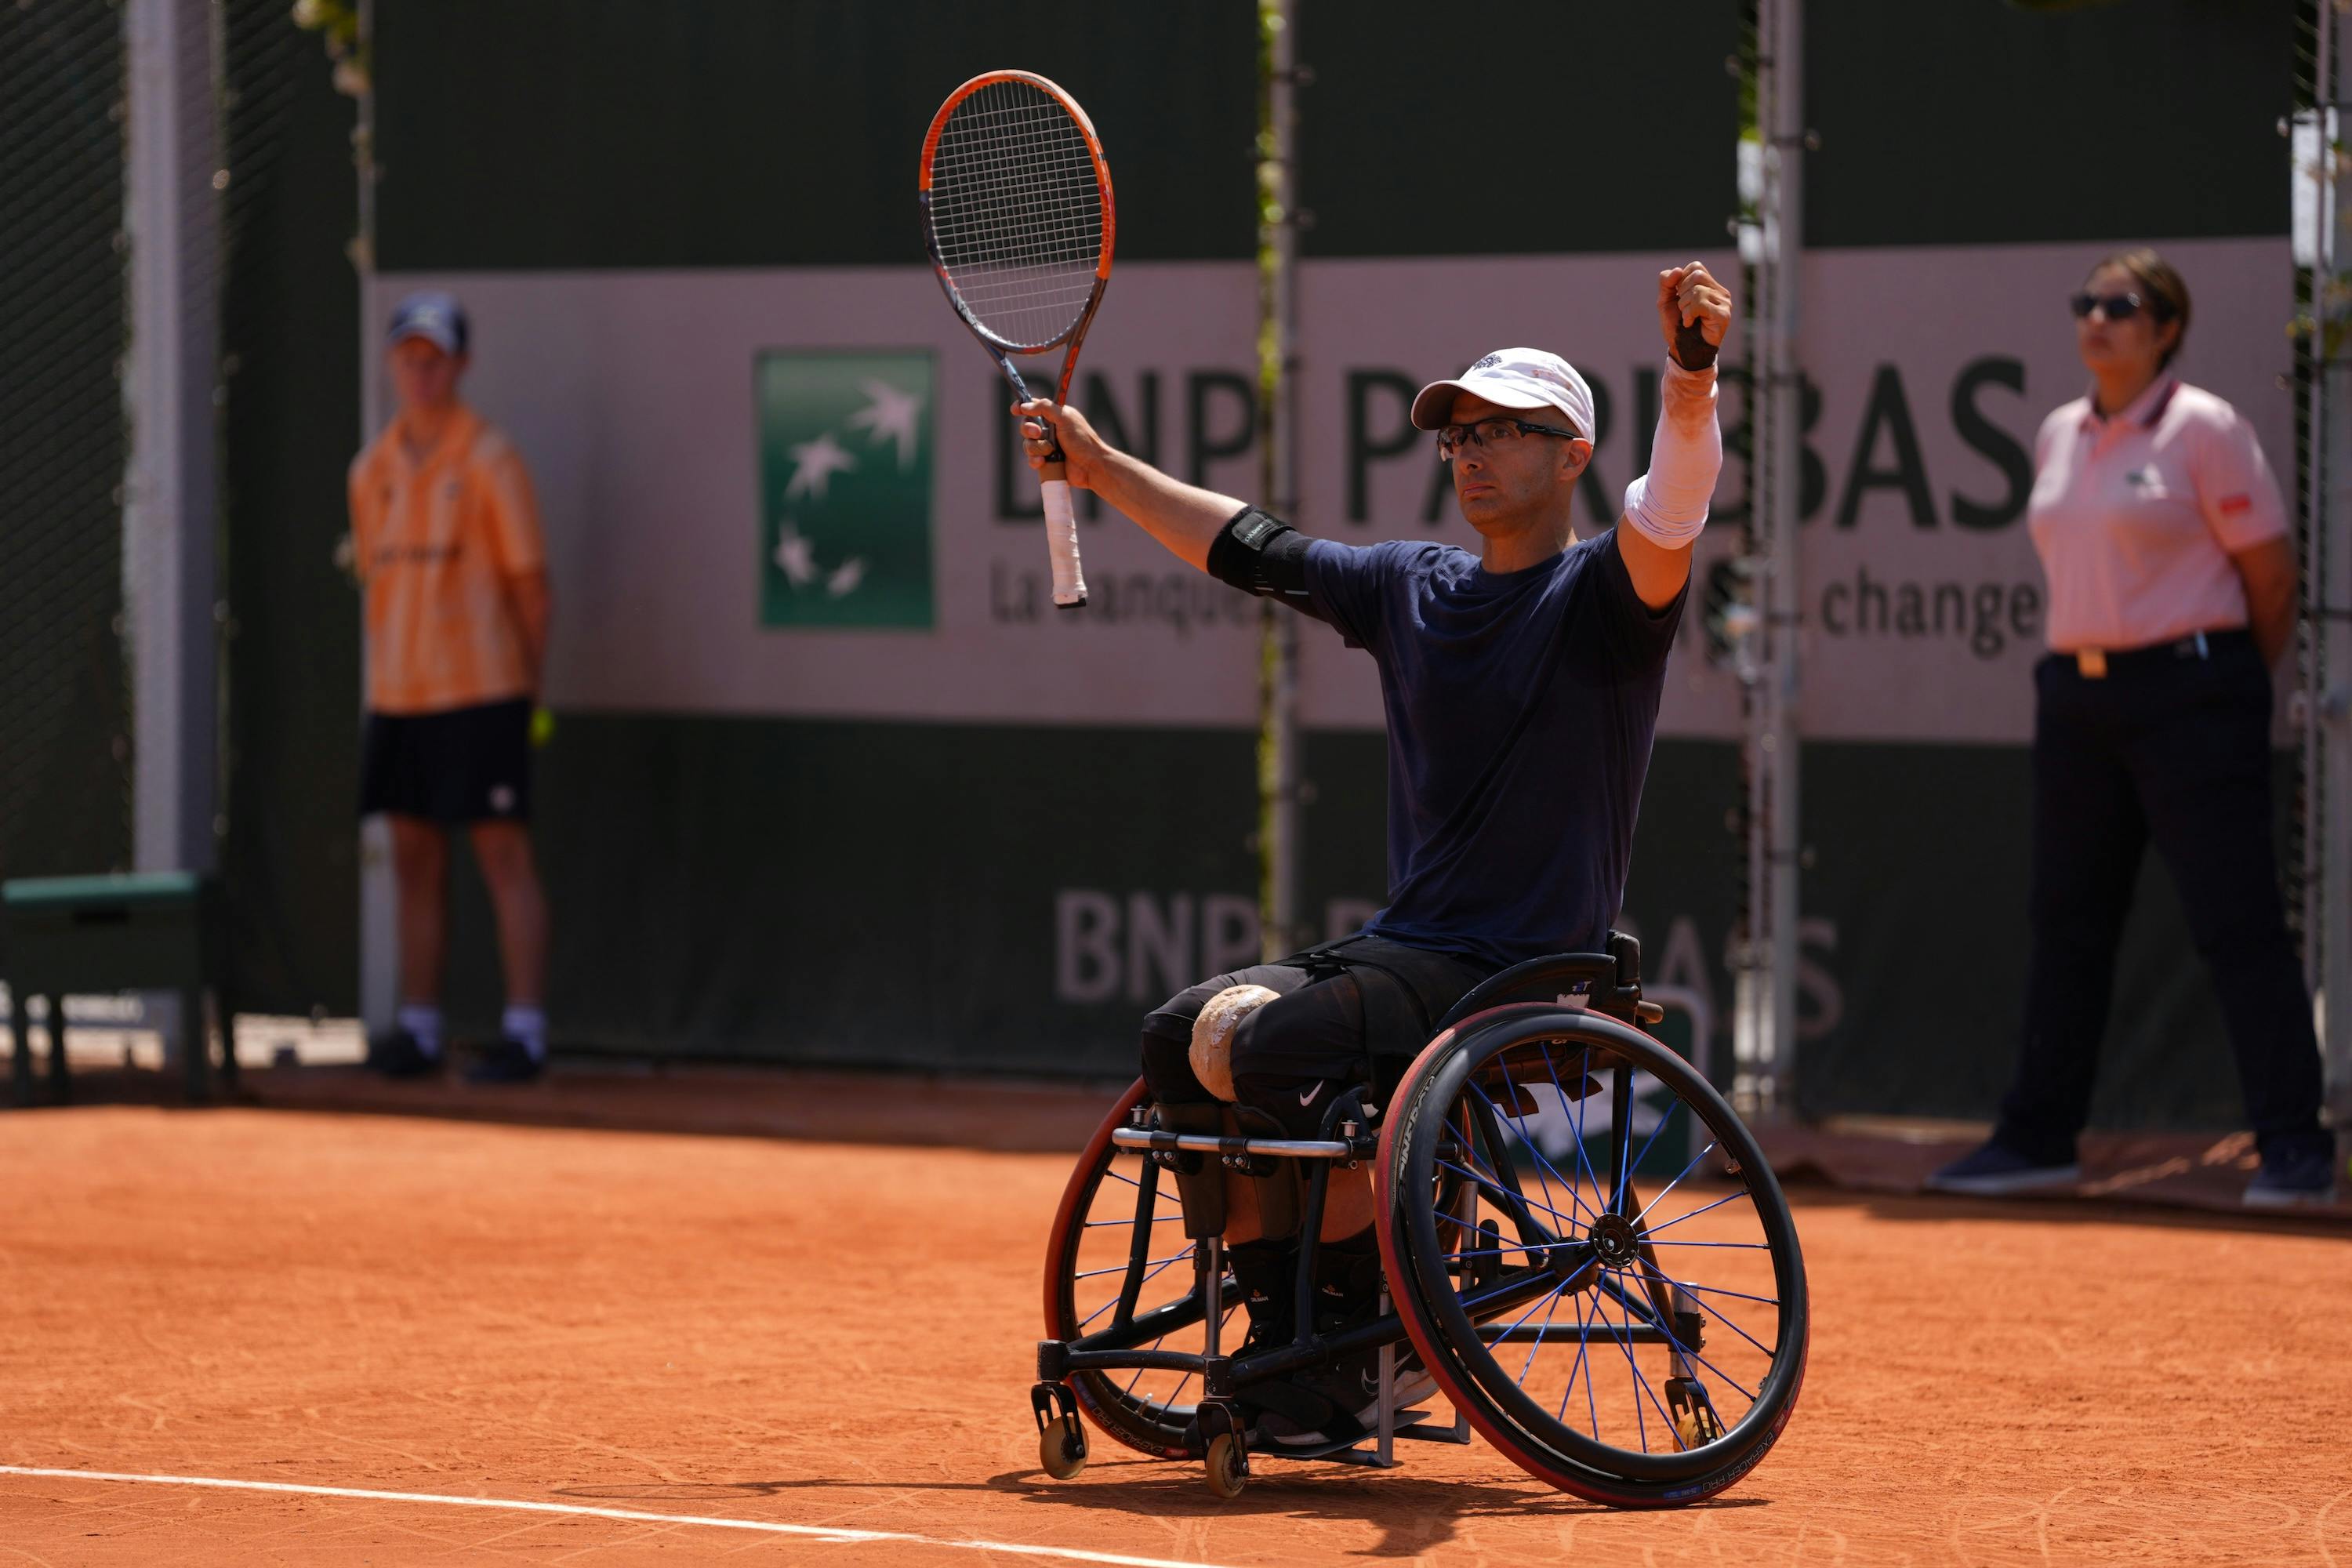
(1998,1169)
(2295,1171)
(397,1055)
(508,1062)
(1350,1391)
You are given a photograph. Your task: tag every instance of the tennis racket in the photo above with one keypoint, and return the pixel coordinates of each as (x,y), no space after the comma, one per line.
(1018,217)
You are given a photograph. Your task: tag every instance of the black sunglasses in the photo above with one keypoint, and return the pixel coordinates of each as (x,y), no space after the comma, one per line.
(2118,307)
(1495,429)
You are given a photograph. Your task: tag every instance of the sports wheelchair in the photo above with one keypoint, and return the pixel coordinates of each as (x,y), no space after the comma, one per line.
(1580,1246)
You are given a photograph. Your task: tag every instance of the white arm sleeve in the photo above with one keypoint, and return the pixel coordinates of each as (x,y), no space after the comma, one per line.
(1668,504)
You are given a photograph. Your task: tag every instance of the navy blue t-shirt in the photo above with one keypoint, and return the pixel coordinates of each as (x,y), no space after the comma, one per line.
(1520,707)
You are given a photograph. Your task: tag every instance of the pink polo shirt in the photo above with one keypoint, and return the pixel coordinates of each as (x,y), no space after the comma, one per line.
(2135,516)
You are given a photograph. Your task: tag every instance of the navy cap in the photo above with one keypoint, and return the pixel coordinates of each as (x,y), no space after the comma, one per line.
(432,315)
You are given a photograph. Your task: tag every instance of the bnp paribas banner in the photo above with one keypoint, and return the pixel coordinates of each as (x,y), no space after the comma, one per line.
(794,492)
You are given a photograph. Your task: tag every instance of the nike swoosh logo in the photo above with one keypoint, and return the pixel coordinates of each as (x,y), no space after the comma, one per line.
(1306,1096)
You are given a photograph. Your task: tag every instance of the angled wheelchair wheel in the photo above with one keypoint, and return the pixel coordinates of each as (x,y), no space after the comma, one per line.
(1591,1257)
(1119,1269)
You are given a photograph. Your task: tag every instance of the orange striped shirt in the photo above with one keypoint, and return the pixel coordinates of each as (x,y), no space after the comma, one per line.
(437,542)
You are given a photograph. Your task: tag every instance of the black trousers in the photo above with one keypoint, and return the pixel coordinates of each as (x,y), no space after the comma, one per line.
(2175,748)
(1326,1025)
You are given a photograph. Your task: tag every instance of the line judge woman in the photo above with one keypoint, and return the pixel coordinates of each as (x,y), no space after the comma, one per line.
(2172,593)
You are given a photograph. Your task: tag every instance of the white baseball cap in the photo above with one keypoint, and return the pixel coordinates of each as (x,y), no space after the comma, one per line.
(1511,378)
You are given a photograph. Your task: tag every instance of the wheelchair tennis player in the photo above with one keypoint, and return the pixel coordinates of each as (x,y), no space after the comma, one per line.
(1521,686)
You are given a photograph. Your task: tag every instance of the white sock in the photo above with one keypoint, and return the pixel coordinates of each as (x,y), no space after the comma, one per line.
(529,1025)
(422,1023)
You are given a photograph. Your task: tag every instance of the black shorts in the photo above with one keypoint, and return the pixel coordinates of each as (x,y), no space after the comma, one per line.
(469,764)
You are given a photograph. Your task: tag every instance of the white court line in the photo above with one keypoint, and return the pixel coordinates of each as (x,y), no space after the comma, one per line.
(628,1515)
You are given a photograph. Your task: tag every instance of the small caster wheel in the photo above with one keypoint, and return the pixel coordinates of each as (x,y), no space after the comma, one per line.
(1227,1474)
(1061,1451)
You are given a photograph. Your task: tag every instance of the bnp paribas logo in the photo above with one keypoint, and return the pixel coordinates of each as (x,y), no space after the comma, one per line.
(844,488)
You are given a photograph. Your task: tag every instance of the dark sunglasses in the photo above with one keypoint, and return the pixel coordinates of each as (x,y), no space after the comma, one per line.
(1494,431)
(2118,307)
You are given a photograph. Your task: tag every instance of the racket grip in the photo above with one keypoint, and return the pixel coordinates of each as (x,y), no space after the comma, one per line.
(1061,539)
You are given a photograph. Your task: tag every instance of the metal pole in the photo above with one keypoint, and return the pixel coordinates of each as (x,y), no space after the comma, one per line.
(1764,1041)
(172,181)
(1279,926)
(2327,586)
(379,911)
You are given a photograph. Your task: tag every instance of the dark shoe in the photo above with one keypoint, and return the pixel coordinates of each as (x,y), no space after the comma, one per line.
(2295,1171)
(1350,1392)
(1998,1171)
(508,1062)
(397,1055)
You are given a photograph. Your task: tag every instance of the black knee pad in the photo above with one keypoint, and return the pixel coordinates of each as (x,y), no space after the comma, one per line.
(1167,1070)
(1200,1178)
(1281,1191)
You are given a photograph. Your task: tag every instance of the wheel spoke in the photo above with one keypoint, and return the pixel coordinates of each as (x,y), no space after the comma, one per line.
(1661,1127)
(1122,1268)
(1677,1182)
(1719,1203)
(1720,1315)
(1487,1180)
(1644,1384)
(1651,1240)
(1544,1169)
(1641,1426)
(1717,1289)
(1582,1160)
(1146,1280)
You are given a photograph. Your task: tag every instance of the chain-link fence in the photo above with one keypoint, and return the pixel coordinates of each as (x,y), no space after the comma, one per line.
(64,745)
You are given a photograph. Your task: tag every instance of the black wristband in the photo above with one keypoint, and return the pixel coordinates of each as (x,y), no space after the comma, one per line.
(1692,350)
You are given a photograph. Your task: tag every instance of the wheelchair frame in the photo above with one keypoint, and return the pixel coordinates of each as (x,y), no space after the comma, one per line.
(1605,982)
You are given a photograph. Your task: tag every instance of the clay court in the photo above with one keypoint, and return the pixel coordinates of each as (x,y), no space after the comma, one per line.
(600,1346)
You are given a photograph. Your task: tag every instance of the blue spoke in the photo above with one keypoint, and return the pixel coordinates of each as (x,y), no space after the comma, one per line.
(1677,1182)
(1129,1390)
(1527,1365)
(1115,1176)
(1121,1269)
(1591,1403)
(1157,1219)
(1644,1384)
(1545,1168)
(1651,1240)
(1516,1197)
(1582,1159)
(1700,1210)
(1718,1290)
(1146,1280)
(1710,1366)
(1720,1315)
(1532,1310)
(1570,1387)
(1641,1426)
(1661,1127)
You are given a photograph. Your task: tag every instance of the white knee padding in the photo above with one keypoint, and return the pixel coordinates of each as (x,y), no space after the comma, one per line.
(1213,1035)
(1668,504)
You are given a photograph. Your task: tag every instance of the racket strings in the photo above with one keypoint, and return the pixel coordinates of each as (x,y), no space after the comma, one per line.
(1017,212)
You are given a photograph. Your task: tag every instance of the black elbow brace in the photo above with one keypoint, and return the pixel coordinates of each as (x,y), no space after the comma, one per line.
(1261,555)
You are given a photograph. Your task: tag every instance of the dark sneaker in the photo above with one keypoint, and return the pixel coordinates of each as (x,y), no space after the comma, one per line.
(397,1055)
(2295,1171)
(508,1062)
(1350,1391)
(1997,1171)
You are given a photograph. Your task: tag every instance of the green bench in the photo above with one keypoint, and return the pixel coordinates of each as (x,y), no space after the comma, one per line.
(82,936)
